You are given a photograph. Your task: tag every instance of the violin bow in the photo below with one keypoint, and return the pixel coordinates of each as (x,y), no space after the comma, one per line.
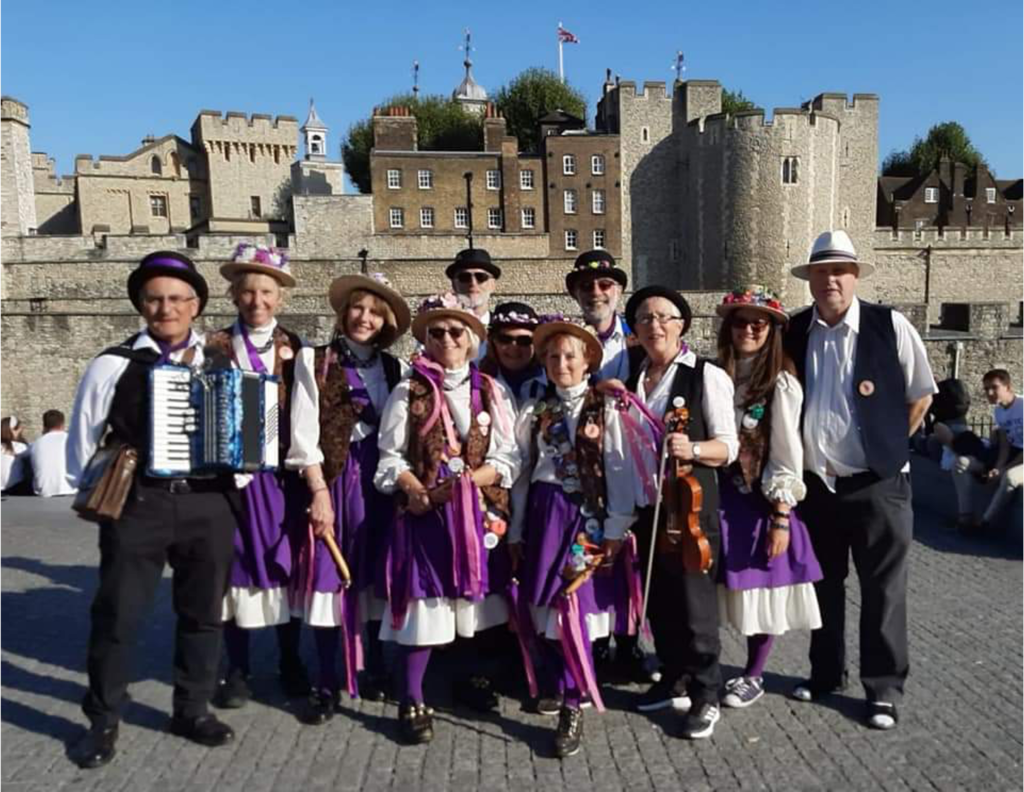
(654,527)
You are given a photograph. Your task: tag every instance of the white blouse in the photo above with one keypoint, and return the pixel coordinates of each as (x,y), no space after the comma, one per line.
(13,465)
(259,336)
(502,451)
(305,445)
(782,477)
(617,476)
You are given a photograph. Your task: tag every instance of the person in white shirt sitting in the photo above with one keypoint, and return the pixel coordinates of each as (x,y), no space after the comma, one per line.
(13,453)
(49,470)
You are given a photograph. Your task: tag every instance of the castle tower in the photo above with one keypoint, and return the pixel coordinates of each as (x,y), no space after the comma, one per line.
(314,132)
(469,94)
(18,197)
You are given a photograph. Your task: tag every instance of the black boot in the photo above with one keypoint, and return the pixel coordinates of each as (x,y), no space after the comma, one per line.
(569,733)
(96,748)
(417,723)
(320,707)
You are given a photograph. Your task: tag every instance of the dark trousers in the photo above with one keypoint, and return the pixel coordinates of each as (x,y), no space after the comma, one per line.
(193,533)
(870,519)
(683,612)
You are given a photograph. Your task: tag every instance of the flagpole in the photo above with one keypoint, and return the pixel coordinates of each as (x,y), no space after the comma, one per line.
(561,69)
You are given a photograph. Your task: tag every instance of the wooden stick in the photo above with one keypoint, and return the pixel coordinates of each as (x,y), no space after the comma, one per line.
(339,559)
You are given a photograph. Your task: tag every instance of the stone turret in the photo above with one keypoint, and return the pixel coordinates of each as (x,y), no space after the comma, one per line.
(18,198)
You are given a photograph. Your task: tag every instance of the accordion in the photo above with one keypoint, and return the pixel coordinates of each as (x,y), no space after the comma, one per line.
(207,422)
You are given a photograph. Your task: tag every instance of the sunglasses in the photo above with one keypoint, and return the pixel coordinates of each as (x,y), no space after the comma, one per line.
(521,341)
(743,324)
(438,333)
(603,284)
(466,278)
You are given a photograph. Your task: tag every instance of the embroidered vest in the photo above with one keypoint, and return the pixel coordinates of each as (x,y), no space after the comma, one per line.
(427,452)
(339,412)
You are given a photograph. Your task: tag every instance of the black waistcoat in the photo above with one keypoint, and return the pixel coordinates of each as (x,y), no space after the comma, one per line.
(879,387)
(689,383)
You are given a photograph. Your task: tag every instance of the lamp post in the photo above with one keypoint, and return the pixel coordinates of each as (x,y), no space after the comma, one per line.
(468,176)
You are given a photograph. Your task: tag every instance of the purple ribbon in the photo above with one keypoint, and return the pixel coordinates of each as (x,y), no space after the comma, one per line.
(168,262)
(166,348)
(254,355)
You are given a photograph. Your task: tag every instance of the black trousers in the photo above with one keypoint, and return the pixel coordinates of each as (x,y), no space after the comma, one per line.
(683,611)
(192,532)
(870,519)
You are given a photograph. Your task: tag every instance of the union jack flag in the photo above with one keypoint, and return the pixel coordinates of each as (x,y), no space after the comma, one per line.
(566,37)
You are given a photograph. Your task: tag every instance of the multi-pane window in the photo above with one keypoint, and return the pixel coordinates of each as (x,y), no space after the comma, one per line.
(569,164)
(597,164)
(494,218)
(789,170)
(158,205)
(394,179)
(424,178)
(571,239)
(494,180)
(598,238)
(569,201)
(396,217)
(461,217)
(931,194)
(526,180)
(529,217)
(597,201)
(427,216)
(990,194)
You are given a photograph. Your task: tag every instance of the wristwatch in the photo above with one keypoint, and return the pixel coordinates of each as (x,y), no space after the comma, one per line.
(696,451)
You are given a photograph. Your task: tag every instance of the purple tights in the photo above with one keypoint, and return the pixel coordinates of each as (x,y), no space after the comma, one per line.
(413,662)
(758,649)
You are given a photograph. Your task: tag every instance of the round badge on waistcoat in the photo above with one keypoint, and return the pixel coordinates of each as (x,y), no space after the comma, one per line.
(490,540)
(418,408)
(286,353)
(456,465)
(591,432)
(749,422)
(866,387)
(484,419)
(484,429)
(678,402)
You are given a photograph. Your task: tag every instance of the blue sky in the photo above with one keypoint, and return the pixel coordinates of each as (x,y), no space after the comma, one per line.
(99,76)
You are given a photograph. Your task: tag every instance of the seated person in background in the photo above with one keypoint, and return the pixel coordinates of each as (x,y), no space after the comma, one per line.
(49,470)
(1003,460)
(13,453)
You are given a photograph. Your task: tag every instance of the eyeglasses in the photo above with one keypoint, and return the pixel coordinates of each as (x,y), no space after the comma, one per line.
(521,341)
(660,318)
(742,324)
(603,284)
(438,333)
(465,277)
(173,301)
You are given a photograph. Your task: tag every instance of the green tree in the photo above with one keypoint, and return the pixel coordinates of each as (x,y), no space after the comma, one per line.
(947,140)
(442,125)
(531,96)
(735,102)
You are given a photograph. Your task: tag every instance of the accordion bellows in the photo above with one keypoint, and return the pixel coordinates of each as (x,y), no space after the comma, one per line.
(203,423)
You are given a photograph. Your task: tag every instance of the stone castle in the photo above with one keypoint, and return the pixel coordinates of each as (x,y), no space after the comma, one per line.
(683,194)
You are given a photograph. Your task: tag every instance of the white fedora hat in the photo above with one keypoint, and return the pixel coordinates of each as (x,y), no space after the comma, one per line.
(832,247)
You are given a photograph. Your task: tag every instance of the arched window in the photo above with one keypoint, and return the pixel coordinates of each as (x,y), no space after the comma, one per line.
(315,145)
(156,166)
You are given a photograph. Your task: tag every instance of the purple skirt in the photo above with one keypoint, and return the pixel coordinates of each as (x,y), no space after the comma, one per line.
(746,519)
(362,520)
(265,537)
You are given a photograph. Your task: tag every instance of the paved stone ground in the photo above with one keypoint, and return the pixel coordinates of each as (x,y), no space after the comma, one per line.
(960,728)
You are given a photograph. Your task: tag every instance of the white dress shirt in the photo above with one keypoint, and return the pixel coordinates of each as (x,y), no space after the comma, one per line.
(831,433)
(96,393)
(617,476)
(49,467)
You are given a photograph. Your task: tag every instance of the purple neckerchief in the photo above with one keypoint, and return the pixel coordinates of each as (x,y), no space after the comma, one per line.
(167,348)
(602,337)
(357,392)
(254,356)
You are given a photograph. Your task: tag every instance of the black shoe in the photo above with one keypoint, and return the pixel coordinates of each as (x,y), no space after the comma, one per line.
(631,666)
(809,690)
(294,679)
(96,748)
(232,692)
(375,687)
(882,715)
(417,723)
(205,730)
(569,732)
(320,707)
(663,694)
(476,692)
(699,722)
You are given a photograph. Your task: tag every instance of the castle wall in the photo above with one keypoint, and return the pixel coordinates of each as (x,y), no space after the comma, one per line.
(16,182)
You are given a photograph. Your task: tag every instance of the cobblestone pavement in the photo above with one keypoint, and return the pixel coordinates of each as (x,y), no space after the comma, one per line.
(960,728)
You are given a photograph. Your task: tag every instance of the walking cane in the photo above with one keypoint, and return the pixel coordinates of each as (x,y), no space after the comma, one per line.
(654,527)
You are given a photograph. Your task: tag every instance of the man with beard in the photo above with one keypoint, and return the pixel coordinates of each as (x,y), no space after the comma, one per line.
(596,283)
(474,276)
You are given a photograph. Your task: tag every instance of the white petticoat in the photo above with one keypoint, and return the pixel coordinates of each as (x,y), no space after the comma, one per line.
(252,607)
(770,611)
(323,609)
(547,623)
(436,620)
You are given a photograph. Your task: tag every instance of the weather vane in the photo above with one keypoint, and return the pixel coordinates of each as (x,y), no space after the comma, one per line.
(416,78)
(678,66)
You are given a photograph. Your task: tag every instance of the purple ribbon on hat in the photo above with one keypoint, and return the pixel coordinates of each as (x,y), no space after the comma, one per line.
(167,262)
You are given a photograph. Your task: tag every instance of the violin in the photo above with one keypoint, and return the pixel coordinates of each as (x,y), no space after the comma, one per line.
(683,499)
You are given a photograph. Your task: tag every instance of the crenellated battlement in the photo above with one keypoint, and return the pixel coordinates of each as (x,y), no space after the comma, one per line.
(653,90)
(236,126)
(785,122)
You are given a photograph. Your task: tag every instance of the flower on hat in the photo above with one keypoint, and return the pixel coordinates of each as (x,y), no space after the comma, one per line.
(247,253)
(513,317)
(447,301)
(381,278)
(756,295)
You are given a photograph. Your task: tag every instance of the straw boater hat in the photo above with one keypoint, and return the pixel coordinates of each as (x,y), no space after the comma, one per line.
(671,295)
(376,284)
(756,297)
(473,258)
(832,247)
(559,325)
(259,258)
(600,263)
(444,306)
(167,264)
